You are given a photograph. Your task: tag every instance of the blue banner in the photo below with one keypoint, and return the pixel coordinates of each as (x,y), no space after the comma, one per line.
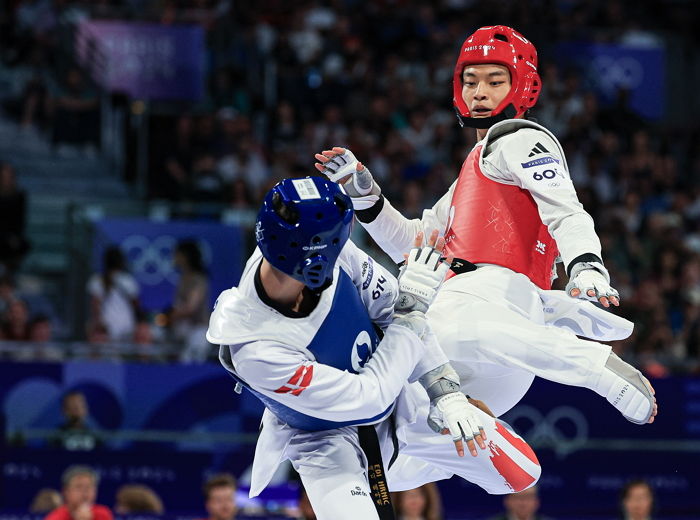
(587,450)
(147,61)
(134,397)
(608,68)
(149,246)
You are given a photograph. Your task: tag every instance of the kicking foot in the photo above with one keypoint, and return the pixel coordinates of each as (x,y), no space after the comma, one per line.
(628,390)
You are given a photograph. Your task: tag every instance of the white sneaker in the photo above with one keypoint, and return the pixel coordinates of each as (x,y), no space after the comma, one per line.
(627,390)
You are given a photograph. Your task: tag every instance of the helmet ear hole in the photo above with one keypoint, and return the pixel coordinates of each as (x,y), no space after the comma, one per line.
(340,204)
(316,239)
(286,212)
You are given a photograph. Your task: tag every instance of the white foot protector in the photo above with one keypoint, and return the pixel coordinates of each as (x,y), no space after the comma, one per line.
(627,390)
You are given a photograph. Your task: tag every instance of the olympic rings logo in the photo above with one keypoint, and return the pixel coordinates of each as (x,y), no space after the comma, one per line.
(564,428)
(151,259)
(612,73)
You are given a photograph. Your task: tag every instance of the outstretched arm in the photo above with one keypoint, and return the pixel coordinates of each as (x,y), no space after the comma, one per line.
(393,232)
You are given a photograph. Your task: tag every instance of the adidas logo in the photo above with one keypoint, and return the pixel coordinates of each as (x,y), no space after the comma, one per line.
(538,148)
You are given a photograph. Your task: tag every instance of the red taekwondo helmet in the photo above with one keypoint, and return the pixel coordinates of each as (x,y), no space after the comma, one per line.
(505,46)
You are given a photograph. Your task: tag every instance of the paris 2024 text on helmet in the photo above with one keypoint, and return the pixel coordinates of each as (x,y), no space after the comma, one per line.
(500,45)
(302,226)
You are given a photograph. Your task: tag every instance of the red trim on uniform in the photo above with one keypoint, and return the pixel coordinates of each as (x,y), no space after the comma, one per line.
(522,446)
(516,477)
(303,373)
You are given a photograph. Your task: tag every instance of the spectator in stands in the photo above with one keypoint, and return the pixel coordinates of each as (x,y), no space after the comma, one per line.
(220,497)
(13,205)
(245,162)
(143,341)
(637,500)
(45,501)
(114,297)
(76,432)
(76,115)
(40,330)
(137,498)
(521,506)
(7,291)
(39,347)
(422,503)
(14,322)
(178,155)
(189,316)
(79,495)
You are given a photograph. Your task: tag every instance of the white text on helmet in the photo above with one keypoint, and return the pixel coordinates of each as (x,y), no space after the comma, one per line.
(476,47)
(314,248)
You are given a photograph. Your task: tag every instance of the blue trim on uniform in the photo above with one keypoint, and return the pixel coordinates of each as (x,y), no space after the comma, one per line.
(345,340)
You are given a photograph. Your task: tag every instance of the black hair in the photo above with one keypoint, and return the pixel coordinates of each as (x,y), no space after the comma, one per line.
(112,260)
(193,256)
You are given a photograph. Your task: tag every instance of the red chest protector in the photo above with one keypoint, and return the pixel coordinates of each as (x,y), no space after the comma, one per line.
(499,224)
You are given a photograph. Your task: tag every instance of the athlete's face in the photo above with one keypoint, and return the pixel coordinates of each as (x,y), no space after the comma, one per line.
(484,87)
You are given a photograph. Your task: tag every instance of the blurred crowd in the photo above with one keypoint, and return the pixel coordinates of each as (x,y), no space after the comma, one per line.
(77,500)
(287,80)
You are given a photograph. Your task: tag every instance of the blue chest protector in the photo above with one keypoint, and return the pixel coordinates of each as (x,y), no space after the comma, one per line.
(345,340)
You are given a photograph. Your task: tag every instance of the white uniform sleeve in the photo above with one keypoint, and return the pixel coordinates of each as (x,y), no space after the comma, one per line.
(433,358)
(544,174)
(378,288)
(394,233)
(326,392)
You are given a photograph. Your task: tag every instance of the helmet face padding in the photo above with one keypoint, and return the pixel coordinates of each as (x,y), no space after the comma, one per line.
(499,45)
(302,226)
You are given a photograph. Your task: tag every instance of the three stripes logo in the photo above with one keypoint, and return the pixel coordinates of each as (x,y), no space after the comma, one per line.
(299,382)
(538,148)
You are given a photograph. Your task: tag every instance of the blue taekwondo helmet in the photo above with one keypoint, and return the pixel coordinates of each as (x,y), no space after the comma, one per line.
(301,228)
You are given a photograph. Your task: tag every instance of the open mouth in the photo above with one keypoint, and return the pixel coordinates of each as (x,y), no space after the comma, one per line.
(481,110)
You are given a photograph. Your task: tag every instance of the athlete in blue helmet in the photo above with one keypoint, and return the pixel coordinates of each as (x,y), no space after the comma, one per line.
(339,352)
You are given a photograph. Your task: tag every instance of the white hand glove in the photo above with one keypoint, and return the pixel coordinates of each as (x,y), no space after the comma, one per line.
(360,186)
(455,413)
(587,276)
(420,279)
(451,410)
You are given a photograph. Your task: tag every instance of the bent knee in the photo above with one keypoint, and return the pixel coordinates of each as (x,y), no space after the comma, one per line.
(514,479)
(535,472)
(514,461)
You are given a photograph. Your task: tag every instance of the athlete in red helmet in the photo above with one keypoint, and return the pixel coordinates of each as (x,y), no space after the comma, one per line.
(512,212)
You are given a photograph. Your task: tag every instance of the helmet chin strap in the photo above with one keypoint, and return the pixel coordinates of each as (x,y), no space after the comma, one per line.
(486,122)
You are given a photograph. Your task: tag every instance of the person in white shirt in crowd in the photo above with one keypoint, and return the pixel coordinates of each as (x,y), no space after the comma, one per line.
(190,312)
(329,341)
(512,212)
(114,297)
